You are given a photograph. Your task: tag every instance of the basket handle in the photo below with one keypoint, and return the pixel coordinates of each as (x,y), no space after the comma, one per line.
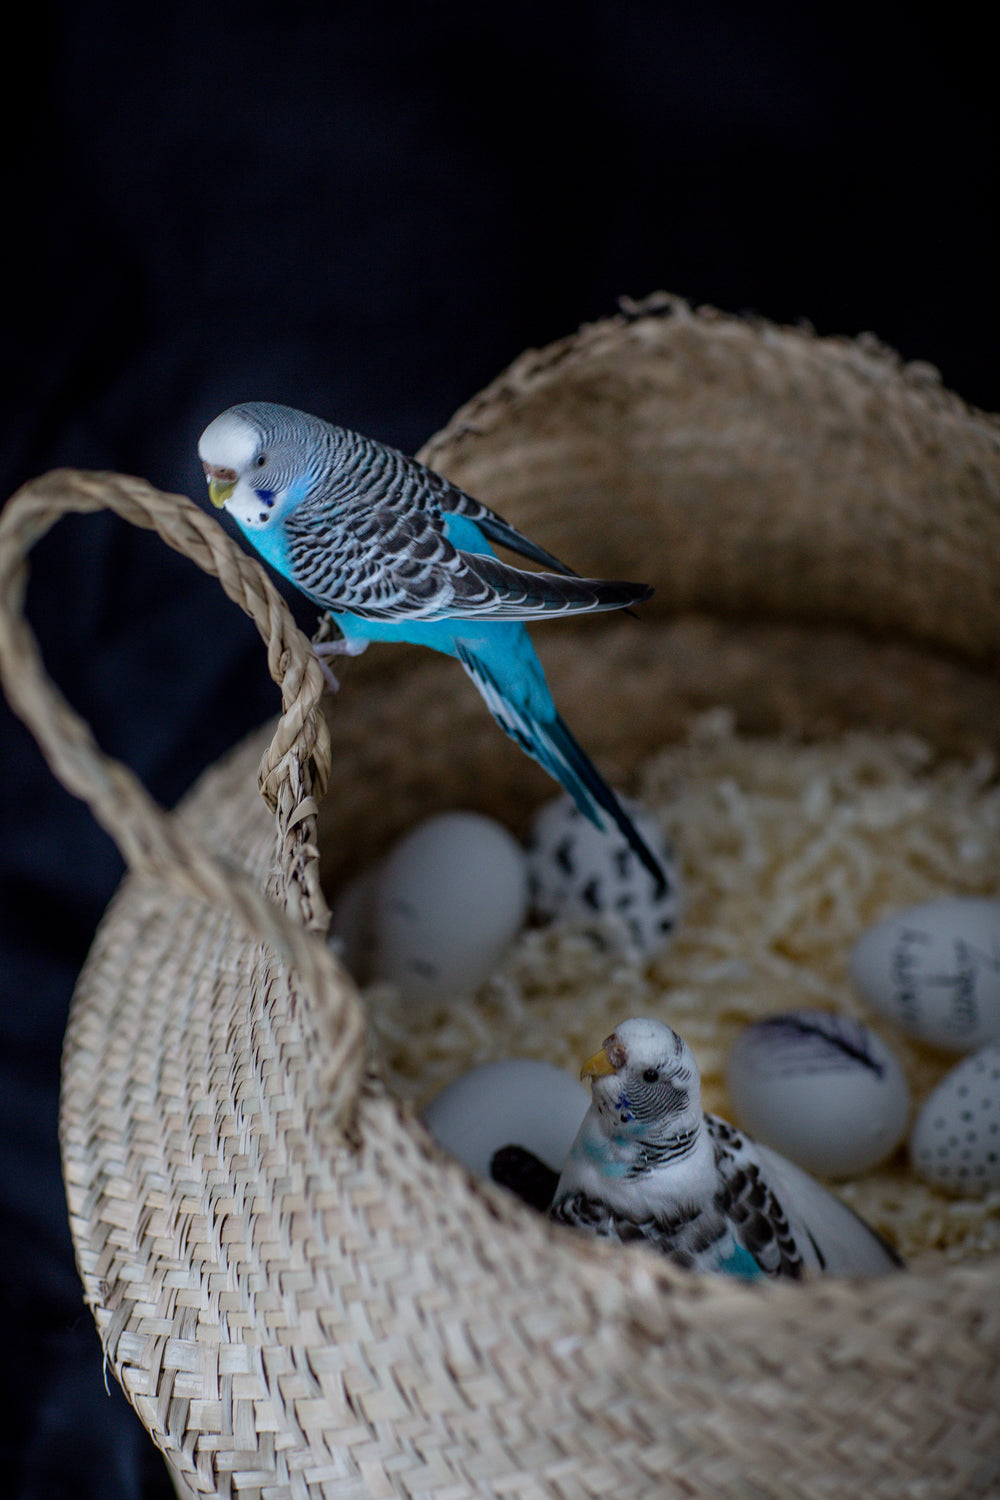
(295,765)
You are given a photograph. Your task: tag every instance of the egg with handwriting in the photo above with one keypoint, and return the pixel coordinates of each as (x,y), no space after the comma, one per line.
(577,870)
(514,1102)
(821,1088)
(955,1140)
(449,898)
(934,969)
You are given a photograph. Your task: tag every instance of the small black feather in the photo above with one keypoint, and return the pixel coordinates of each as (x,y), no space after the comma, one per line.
(523,1173)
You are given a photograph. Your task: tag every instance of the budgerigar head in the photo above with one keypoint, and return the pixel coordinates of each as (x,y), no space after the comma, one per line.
(259,458)
(644,1080)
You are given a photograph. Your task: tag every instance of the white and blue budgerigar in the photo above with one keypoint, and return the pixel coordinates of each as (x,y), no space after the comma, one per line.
(394,552)
(649,1165)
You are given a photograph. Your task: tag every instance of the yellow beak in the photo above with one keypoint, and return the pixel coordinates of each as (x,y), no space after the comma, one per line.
(219,491)
(598,1066)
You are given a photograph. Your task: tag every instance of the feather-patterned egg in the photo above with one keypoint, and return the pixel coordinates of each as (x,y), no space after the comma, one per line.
(576,870)
(934,969)
(514,1102)
(449,898)
(820,1088)
(955,1140)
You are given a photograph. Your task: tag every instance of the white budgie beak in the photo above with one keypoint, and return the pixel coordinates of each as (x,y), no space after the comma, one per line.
(221,483)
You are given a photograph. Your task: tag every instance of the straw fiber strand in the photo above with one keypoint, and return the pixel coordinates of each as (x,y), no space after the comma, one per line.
(301,1311)
(150,840)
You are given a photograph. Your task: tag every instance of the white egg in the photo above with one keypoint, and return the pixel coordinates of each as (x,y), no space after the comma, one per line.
(575,870)
(516,1102)
(448,900)
(820,1088)
(955,1141)
(935,970)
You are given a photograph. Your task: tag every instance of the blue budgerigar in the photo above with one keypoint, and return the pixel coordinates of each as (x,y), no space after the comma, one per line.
(649,1165)
(394,552)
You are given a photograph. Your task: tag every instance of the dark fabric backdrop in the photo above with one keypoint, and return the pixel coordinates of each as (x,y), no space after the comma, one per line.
(367,209)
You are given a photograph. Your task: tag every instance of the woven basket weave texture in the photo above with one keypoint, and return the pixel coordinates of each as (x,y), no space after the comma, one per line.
(299,1294)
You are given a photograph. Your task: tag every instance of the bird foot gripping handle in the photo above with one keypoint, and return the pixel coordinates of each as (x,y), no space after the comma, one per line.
(294,768)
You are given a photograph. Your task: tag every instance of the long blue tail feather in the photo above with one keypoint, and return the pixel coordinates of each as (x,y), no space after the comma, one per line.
(531,721)
(573,767)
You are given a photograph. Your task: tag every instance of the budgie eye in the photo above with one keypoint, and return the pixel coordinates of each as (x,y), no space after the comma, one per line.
(651,1075)
(261,460)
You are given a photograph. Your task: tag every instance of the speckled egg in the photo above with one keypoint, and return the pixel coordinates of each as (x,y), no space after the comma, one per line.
(576,870)
(820,1088)
(514,1102)
(955,1141)
(934,969)
(448,900)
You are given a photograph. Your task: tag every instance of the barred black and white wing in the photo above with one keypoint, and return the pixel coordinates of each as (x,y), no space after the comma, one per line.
(787,1220)
(384,538)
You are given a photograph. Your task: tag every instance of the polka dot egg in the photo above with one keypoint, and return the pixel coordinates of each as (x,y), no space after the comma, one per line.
(575,870)
(955,1141)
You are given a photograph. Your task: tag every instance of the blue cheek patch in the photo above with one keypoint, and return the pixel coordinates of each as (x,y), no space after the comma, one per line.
(624,1109)
(275,504)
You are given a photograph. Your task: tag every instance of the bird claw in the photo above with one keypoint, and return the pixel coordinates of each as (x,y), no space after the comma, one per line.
(328,676)
(341,646)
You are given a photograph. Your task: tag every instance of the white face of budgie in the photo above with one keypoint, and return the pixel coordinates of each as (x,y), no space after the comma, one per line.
(644,1080)
(252,471)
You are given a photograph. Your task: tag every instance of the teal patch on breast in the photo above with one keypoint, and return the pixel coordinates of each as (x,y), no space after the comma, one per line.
(594,1150)
(739,1262)
(272,544)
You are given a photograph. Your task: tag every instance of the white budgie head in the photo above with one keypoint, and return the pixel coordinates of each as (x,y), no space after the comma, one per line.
(260,459)
(644,1081)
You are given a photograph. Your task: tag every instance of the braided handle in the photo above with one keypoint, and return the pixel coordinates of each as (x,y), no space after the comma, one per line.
(294,767)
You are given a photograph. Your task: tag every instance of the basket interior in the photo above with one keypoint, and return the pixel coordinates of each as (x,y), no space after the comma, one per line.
(816,548)
(820,525)
(412,737)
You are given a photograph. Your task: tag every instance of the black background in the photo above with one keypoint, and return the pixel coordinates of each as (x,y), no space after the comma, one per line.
(367,210)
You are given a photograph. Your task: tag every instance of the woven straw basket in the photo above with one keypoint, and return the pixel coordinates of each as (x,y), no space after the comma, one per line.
(299,1294)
